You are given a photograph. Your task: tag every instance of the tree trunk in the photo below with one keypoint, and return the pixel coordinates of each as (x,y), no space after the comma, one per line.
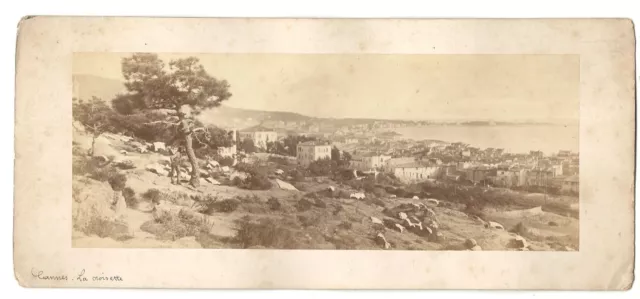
(185,131)
(93,146)
(195,173)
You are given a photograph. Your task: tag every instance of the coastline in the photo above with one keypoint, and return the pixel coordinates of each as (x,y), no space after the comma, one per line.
(512,138)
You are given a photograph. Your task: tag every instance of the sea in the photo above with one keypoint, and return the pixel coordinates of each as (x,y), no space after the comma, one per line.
(512,138)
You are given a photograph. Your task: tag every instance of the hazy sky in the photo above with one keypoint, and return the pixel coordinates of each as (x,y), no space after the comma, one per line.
(498,87)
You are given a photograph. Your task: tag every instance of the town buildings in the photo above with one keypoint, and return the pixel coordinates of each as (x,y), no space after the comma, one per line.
(260,135)
(369,162)
(571,184)
(392,163)
(417,172)
(511,177)
(478,174)
(310,151)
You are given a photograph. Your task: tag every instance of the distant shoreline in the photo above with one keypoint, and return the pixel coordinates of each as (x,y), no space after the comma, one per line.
(522,142)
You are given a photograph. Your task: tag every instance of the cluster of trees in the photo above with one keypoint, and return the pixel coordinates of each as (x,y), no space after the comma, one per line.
(289,145)
(257,178)
(246,145)
(160,103)
(98,118)
(338,164)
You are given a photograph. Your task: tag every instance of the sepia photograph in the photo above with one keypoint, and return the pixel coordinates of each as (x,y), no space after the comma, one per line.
(433,152)
(333,154)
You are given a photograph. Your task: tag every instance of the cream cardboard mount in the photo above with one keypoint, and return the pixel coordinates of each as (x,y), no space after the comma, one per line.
(325,153)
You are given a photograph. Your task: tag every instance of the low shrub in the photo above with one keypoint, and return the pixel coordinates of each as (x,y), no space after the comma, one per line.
(211,204)
(228,205)
(126,164)
(319,203)
(257,182)
(80,165)
(76,150)
(154,195)
(267,233)
(297,175)
(338,209)
(379,192)
(274,204)
(278,160)
(102,174)
(257,178)
(169,226)
(106,228)
(346,225)
(311,195)
(343,194)
(522,230)
(117,181)
(307,220)
(304,205)
(130,197)
(237,181)
(377,202)
(225,161)
(475,208)
(322,167)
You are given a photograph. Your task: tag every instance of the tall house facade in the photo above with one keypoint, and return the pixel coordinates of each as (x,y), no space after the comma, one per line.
(310,151)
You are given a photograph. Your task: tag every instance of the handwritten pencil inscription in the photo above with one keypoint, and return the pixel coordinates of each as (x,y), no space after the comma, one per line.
(81,276)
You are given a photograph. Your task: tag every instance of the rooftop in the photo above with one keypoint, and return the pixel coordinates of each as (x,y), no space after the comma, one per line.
(409,165)
(573,178)
(315,143)
(258,128)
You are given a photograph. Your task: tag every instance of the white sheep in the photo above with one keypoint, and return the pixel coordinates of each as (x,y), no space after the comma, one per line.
(494,225)
(376,220)
(430,213)
(419,225)
(402,215)
(433,201)
(409,223)
(382,238)
(433,224)
(358,195)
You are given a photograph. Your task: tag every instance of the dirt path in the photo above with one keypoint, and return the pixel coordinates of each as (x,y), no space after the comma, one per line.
(135,219)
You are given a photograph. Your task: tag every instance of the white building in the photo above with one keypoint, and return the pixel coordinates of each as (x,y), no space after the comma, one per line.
(414,172)
(390,164)
(231,151)
(310,151)
(369,162)
(260,136)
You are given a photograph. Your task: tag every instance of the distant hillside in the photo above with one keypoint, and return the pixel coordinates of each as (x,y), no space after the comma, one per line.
(87,86)
(226,116)
(257,115)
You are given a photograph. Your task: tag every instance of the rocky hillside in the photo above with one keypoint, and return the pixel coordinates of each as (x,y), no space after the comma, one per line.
(305,213)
